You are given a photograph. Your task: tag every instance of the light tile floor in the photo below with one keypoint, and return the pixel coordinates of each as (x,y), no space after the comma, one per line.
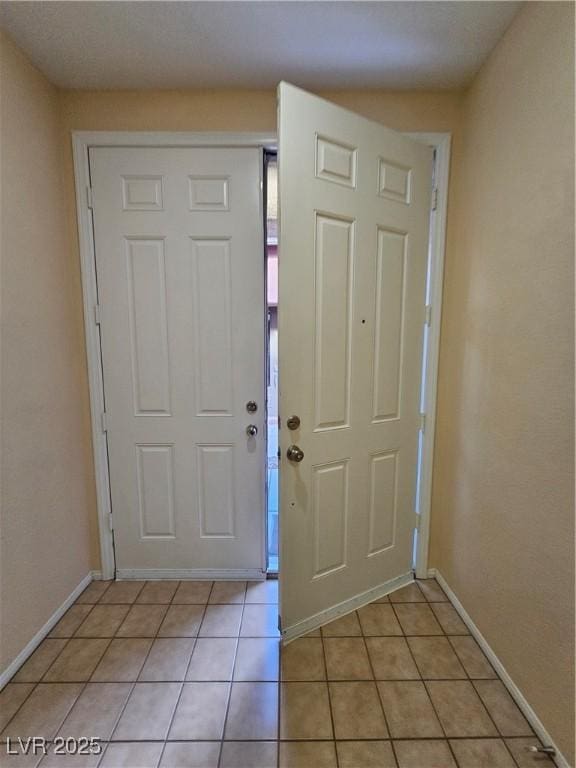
(191,675)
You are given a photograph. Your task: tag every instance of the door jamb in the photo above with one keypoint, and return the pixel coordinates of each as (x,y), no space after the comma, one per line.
(82,142)
(441,142)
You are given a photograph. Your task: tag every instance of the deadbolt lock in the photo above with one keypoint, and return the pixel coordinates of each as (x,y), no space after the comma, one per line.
(293,422)
(251,406)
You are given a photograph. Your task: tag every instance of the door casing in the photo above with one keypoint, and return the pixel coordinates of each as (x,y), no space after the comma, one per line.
(82,141)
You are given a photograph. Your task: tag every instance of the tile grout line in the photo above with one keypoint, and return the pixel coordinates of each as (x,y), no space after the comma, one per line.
(379,697)
(425,687)
(329,694)
(229,697)
(134,683)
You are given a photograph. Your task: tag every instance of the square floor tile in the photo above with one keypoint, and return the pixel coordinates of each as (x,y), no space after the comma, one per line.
(460,710)
(303,659)
(193,592)
(77,661)
(471,657)
(148,712)
(367,754)
(481,753)
(33,670)
(519,749)
(142,621)
(221,621)
(357,711)
(448,619)
(257,659)
(502,709)
(347,658)
(93,592)
(262,592)
(226,592)
(158,592)
(96,711)
(256,754)
(417,753)
(191,754)
(201,712)
(379,619)
(432,591)
(43,711)
(212,659)
(182,621)
(260,621)
(131,755)
(305,711)
(253,712)
(345,626)
(122,592)
(435,658)
(409,712)
(71,620)
(122,661)
(417,619)
(102,621)
(391,659)
(411,593)
(11,699)
(168,660)
(305,754)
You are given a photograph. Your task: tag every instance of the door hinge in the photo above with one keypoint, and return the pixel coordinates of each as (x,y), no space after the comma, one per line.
(435,198)
(110,521)
(89,197)
(428,316)
(97,317)
(422,422)
(104,422)
(417,518)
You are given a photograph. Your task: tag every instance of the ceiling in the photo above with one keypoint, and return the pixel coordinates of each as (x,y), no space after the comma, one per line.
(240,44)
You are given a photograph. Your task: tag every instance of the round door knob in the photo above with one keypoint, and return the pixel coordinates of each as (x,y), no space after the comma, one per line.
(251,430)
(294,453)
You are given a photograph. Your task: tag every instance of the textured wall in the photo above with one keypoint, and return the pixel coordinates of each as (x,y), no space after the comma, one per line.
(503,511)
(46,477)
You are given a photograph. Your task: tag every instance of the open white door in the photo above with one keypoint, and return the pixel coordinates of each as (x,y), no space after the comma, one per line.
(354,219)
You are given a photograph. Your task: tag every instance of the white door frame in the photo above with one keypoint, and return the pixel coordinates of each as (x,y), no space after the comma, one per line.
(82,141)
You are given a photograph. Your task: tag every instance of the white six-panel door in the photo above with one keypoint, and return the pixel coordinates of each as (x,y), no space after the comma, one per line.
(354,218)
(179,257)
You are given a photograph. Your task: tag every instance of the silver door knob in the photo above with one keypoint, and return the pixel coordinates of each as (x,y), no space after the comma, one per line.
(293,422)
(294,453)
(251,430)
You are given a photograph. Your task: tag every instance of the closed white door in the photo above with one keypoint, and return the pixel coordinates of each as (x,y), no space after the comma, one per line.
(354,218)
(180,270)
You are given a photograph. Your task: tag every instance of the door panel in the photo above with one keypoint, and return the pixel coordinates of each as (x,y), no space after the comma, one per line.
(180,267)
(354,217)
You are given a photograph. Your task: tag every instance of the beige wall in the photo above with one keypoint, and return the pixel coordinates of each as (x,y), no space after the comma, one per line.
(221,111)
(46,485)
(503,513)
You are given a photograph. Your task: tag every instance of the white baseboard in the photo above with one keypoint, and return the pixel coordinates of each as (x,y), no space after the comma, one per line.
(7,674)
(302,627)
(198,574)
(96,575)
(513,689)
